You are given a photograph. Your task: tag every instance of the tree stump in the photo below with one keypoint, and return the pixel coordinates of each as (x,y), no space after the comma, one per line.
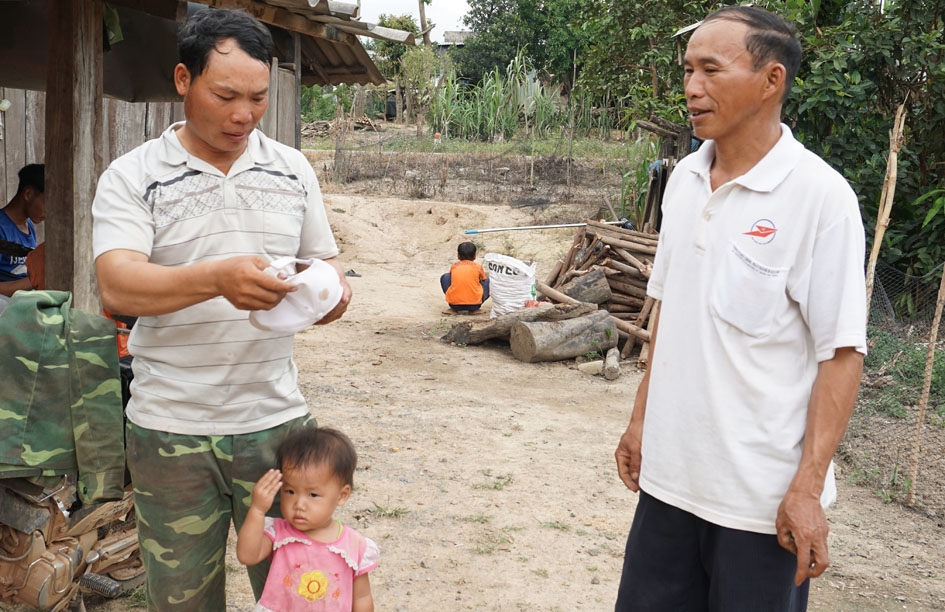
(554,341)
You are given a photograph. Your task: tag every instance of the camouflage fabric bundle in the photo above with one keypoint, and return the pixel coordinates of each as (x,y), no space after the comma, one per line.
(61,401)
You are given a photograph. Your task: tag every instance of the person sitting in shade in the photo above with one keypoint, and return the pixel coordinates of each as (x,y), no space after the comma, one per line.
(465,285)
(18,221)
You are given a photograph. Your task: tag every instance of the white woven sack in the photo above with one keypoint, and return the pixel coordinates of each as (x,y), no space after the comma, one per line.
(511,282)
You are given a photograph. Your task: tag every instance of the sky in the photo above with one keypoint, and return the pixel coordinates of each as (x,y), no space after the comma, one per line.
(446,14)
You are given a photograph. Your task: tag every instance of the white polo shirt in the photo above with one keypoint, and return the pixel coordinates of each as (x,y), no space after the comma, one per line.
(205,370)
(760,280)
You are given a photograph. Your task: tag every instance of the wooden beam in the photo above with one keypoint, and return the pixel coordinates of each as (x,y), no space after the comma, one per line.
(165,9)
(74,145)
(286,20)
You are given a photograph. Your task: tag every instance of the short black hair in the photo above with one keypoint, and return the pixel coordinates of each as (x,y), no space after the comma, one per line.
(32,175)
(769,38)
(315,446)
(466,251)
(206,28)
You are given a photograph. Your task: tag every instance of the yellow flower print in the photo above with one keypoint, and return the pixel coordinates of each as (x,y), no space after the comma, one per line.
(313,585)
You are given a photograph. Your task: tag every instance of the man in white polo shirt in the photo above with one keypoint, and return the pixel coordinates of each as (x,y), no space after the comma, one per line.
(758,347)
(184,229)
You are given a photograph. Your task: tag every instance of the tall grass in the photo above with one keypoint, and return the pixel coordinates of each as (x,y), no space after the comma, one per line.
(514,101)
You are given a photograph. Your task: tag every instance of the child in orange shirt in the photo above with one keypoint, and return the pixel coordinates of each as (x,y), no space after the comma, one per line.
(465,285)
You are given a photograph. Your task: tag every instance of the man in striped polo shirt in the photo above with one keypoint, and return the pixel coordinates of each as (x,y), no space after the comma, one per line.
(184,227)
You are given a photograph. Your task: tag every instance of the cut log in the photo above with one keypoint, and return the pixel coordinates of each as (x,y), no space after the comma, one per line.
(572,253)
(633,330)
(622,267)
(590,254)
(554,294)
(649,249)
(643,267)
(612,364)
(627,300)
(591,288)
(597,228)
(626,288)
(469,332)
(554,341)
(617,309)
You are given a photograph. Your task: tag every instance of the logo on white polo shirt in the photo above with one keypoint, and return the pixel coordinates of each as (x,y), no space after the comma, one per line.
(762,231)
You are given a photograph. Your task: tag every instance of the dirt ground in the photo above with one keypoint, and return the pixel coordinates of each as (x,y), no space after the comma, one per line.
(488,483)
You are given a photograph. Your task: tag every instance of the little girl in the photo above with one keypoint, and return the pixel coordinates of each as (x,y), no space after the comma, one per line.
(318,564)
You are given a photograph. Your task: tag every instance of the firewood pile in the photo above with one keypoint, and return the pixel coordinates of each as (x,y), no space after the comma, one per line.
(598,289)
(320,129)
(609,266)
(365,123)
(316,129)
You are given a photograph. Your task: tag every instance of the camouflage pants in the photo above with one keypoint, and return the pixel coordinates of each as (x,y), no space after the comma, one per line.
(187,489)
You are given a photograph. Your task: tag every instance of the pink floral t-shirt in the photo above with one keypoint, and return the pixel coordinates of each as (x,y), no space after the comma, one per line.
(310,576)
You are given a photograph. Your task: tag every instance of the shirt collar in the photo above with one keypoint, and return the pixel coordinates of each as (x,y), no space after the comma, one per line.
(767,174)
(258,152)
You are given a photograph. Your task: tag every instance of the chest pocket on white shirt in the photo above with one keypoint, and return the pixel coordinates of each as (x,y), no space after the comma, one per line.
(747,294)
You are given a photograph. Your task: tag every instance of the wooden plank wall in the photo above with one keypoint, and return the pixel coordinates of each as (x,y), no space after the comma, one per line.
(279,121)
(126,126)
(22,137)
(288,104)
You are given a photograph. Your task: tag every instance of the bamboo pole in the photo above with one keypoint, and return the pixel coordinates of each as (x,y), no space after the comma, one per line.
(886,200)
(616,232)
(926,388)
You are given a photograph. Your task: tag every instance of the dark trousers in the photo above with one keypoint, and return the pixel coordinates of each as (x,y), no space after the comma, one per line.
(445,281)
(677,562)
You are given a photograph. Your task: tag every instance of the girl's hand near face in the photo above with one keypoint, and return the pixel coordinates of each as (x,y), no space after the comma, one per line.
(252,545)
(264,493)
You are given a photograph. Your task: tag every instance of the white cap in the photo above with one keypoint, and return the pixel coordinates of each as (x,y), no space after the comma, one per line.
(319,291)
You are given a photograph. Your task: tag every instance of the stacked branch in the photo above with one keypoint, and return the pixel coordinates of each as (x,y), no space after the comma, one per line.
(609,266)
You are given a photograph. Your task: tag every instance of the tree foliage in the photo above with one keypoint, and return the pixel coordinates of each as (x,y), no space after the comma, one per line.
(420,68)
(632,55)
(860,64)
(862,59)
(541,29)
(388,55)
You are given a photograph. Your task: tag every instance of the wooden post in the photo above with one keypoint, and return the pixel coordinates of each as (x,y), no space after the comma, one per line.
(926,387)
(423,23)
(886,200)
(297,97)
(74,144)
(269,124)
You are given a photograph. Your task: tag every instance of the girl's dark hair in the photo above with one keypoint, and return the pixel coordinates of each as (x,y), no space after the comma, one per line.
(769,38)
(204,30)
(314,446)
